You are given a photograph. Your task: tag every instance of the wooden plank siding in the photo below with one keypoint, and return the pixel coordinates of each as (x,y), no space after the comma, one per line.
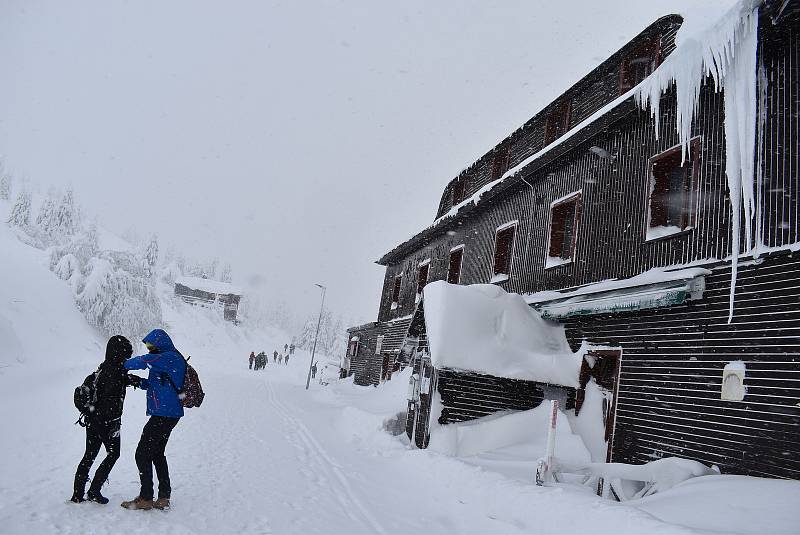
(671,373)
(466,396)
(669,400)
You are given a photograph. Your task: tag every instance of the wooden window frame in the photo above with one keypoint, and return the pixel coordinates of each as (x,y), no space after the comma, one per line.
(398,282)
(557,122)
(423,267)
(691,189)
(651,49)
(457,249)
(551,261)
(497,276)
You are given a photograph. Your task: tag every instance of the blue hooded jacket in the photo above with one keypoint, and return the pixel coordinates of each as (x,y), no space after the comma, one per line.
(165,361)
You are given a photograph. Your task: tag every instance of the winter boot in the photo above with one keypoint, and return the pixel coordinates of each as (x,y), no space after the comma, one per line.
(77,498)
(162,504)
(97,498)
(138,503)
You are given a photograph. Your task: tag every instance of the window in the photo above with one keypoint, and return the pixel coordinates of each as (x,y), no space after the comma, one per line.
(454,266)
(459,189)
(564,218)
(499,162)
(353,349)
(398,280)
(503,249)
(673,201)
(422,279)
(557,122)
(638,64)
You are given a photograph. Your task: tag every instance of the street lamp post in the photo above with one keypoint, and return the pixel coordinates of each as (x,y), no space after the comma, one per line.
(314,348)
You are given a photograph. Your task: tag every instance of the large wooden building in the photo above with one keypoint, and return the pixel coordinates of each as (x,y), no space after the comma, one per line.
(588,191)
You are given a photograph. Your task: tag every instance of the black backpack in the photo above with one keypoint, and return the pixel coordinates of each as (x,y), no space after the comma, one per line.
(85,397)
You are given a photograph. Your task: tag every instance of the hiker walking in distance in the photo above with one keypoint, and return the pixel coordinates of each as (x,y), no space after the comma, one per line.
(285,348)
(252,358)
(275,356)
(286,359)
(105,395)
(167,374)
(314,370)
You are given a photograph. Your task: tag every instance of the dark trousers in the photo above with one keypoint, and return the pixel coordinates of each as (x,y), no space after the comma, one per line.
(98,434)
(150,452)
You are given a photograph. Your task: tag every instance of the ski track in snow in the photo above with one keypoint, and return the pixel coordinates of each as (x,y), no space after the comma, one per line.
(311,451)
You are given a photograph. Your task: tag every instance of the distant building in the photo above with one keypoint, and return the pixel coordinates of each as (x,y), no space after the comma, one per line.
(196,290)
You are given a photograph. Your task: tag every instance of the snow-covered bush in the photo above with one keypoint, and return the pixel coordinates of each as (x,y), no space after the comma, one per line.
(150,254)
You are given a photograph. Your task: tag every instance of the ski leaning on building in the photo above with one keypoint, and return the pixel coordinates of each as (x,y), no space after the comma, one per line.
(651,212)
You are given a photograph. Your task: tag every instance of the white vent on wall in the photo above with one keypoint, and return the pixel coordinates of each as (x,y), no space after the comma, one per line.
(733,374)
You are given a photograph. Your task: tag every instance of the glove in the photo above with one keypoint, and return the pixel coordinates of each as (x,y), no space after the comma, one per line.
(135,381)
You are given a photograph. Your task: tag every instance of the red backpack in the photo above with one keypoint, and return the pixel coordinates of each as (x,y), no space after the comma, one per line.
(191,395)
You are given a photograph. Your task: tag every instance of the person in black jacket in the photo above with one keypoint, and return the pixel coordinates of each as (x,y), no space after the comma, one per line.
(103,423)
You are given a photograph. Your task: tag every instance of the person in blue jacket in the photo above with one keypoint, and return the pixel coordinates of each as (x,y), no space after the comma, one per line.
(167,373)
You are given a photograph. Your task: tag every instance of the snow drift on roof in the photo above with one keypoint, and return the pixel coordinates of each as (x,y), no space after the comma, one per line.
(484,329)
(208,285)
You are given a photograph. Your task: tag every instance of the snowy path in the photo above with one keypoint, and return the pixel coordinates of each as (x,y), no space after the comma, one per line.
(263,455)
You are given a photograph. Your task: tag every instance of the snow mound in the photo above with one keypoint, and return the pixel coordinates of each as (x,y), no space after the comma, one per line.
(484,329)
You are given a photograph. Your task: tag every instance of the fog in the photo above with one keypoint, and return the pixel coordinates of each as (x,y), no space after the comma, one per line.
(298,141)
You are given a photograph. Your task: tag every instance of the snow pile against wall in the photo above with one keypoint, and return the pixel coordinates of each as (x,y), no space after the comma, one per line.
(484,329)
(725,50)
(527,430)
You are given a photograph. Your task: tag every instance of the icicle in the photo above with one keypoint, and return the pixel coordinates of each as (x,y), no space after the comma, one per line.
(726,52)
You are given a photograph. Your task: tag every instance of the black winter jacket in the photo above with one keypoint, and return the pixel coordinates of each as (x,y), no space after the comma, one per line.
(112,381)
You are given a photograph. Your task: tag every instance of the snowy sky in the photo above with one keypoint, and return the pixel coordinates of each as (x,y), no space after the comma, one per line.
(298,140)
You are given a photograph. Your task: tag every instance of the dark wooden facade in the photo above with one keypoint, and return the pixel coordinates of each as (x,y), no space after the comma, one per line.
(672,357)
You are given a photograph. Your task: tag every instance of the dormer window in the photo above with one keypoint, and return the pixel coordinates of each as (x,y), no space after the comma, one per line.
(459,190)
(499,162)
(557,122)
(638,64)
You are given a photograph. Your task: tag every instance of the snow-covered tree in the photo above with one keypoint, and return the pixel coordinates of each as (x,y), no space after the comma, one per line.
(226,273)
(5,183)
(151,254)
(67,218)
(116,301)
(21,212)
(332,334)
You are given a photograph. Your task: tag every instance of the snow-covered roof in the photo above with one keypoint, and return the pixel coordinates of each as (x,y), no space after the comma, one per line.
(484,329)
(208,285)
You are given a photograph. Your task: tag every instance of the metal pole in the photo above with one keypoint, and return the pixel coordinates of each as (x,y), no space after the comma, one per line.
(314,348)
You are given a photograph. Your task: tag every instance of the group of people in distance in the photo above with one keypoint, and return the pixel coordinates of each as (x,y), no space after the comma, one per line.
(260,361)
(103,419)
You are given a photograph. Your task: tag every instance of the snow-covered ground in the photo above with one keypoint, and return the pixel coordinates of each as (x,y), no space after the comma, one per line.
(263,455)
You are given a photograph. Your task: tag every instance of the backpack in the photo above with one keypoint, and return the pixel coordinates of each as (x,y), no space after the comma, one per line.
(85,396)
(191,395)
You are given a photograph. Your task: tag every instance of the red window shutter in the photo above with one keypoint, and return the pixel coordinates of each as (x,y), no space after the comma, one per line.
(423,278)
(502,253)
(396,290)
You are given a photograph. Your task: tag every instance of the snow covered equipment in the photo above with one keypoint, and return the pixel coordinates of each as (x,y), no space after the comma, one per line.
(85,397)
(191,395)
